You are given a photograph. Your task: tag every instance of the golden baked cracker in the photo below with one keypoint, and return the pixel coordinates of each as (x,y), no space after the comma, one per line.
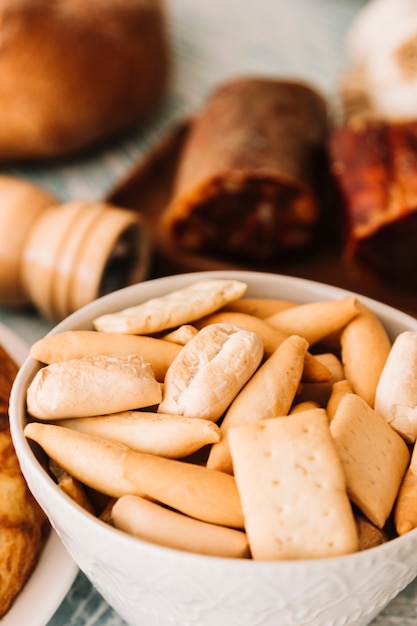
(292,488)
(173,309)
(373,455)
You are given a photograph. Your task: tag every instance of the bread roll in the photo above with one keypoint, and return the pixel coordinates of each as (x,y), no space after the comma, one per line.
(74,72)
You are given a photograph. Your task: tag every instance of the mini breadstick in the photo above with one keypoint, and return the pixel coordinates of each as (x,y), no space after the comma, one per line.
(271,337)
(152,522)
(369,535)
(405,510)
(172,436)
(72,487)
(365,347)
(210,370)
(315,320)
(303,406)
(339,389)
(373,455)
(319,392)
(92,386)
(115,470)
(259,307)
(182,334)
(292,488)
(396,392)
(269,393)
(76,344)
(173,309)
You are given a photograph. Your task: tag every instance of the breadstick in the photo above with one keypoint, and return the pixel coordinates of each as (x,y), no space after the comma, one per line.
(210,370)
(271,337)
(405,510)
(259,307)
(115,470)
(182,334)
(76,344)
(396,392)
(303,406)
(152,522)
(269,393)
(319,392)
(315,320)
(339,389)
(182,306)
(171,436)
(92,386)
(365,348)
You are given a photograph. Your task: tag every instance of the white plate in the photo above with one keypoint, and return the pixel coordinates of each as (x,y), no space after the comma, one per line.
(55,571)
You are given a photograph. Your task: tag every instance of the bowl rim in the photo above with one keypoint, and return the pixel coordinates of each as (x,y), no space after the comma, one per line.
(25,449)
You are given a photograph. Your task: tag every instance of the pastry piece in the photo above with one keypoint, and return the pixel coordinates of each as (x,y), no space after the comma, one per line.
(23,525)
(92,386)
(210,371)
(396,393)
(181,306)
(374,165)
(293,488)
(72,73)
(249,174)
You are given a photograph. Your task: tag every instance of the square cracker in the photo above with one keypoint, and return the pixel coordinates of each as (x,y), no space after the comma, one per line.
(374,457)
(292,488)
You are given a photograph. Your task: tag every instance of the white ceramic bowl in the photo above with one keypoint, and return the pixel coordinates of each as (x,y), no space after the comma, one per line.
(150,585)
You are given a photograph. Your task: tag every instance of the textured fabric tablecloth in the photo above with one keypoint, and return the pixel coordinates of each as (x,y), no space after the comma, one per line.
(211,41)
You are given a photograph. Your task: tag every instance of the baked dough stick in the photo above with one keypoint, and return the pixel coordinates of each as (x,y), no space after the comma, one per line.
(76,344)
(260,307)
(339,389)
(152,522)
(182,306)
(365,347)
(92,386)
(269,393)
(292,487)
(320,392)
(171,436)
(405,510)
(210,371)
(315,320)
(115,470)
(396,392)
(250,171)
(373,455)
(314,371)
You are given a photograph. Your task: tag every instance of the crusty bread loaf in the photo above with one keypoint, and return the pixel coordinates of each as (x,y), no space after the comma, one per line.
(210,370)
(92,386)
(74,72)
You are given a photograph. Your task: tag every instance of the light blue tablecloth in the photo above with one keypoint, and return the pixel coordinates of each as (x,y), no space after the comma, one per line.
(210,41)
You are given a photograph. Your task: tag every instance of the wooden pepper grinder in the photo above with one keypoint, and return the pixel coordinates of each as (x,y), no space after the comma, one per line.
(60,257)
